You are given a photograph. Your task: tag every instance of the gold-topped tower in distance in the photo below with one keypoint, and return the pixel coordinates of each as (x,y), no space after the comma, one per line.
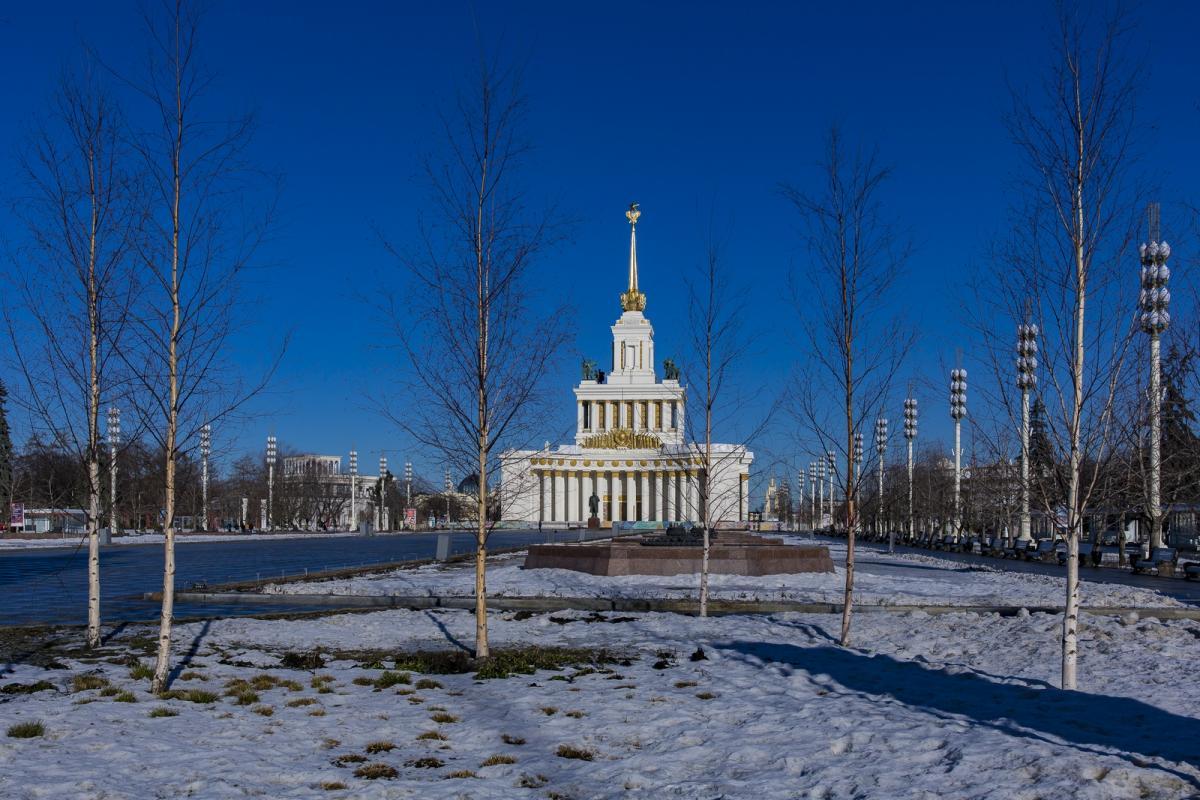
(632,299)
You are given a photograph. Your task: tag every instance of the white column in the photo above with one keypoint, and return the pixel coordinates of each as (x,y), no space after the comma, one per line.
(744,498)
(568,496)
(669,495)
(579,416)
(556,514)
(689,495)
(544,512)
(630,487)
(637,415)
(647,506)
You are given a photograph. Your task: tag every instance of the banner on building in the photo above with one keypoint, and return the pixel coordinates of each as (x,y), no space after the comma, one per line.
(16,516)
(410,517)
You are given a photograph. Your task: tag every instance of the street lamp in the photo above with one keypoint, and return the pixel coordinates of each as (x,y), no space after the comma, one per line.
(205,451)
(353,489)
(114,439)
(1153,302)
(820,472)
(958,410)
(813,495)
(832,461)
(407,487)
(448,489)
(1027,348)
(858,462)
(881,437)
(910,433)
(271,453)
(382,488)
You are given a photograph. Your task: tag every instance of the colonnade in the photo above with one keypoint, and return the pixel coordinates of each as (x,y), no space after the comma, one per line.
(595,416)
(625,495)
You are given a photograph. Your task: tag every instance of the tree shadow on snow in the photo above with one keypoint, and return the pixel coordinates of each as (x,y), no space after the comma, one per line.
(1102,724)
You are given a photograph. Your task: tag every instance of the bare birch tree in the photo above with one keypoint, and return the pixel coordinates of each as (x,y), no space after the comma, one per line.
(718,341)
(1078,223)
(477,340)
(856,341)
(75,284)
(198,243)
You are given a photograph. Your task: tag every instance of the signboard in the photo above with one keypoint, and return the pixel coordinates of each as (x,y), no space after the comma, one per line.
(410,518)
(16,516)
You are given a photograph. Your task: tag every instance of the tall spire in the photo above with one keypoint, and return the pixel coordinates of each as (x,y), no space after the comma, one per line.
(632,299)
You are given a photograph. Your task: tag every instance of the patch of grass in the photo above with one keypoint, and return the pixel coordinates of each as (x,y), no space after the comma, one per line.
(443,717)
(405,692)
(245,697)
(329,744)
(570,751)
(26,688)
(317,712)
(332,786)
(83,683)
(27,730)
(109,691)
(416,701)
(349,758)
(532,781)
(427,683)
(549,711)
(373,772)
(163,712)
(432,735)
(492,761)
(705,695)
(266,681)
(380,747)
(190,695)
(684,684)
(428,762)
(576,714)
(192,675)
(528,660)
(460,773)
(300,701)
(389,679)
(264,711)
(319,681)
(140,672)
(363,680)
(125,697)
(311,660)
(509,739)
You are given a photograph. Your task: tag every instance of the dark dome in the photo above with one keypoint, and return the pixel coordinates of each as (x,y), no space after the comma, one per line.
(469,484)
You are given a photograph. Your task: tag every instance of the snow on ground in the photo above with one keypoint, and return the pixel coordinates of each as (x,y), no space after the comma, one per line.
(157,538)
(957,705)
(880,579)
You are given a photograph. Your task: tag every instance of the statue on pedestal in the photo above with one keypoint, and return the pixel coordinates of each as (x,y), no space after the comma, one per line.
(594,508)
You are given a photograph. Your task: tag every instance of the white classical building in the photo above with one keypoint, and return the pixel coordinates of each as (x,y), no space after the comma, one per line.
(632,450)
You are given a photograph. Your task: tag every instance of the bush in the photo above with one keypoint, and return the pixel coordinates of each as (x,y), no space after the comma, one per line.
(27,730)
(375,771)
(570,751)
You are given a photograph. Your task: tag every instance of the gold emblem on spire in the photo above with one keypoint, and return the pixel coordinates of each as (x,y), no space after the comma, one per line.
(632,299)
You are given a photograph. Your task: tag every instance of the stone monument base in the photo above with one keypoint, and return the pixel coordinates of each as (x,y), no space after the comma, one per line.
(593,523)
(731,554)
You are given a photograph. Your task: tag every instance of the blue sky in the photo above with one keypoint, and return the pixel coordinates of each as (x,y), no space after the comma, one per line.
(687,108)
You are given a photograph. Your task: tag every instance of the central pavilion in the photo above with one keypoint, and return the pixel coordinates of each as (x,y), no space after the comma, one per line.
(632,449)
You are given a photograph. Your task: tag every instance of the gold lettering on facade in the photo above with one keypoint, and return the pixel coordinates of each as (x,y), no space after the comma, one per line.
(622,439)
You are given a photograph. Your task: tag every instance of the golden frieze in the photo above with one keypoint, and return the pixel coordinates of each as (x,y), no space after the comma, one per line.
(622,439)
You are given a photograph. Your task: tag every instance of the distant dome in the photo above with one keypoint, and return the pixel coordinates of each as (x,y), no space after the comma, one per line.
(469,484)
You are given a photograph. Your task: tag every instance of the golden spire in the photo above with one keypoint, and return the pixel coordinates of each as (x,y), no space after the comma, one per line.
(632,299)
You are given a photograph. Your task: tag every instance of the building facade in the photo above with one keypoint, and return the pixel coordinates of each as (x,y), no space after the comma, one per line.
(631,451)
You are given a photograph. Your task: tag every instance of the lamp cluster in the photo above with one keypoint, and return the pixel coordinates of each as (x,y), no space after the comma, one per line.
(881,437)
(353,462)
(206,440)
(382,466)
(910,418)
(1027,349)
(272,451)
(858,449)
(958,393)
(114,426)
(1155,297)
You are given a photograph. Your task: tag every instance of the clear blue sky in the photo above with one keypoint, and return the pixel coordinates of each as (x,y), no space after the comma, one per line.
(684,107)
